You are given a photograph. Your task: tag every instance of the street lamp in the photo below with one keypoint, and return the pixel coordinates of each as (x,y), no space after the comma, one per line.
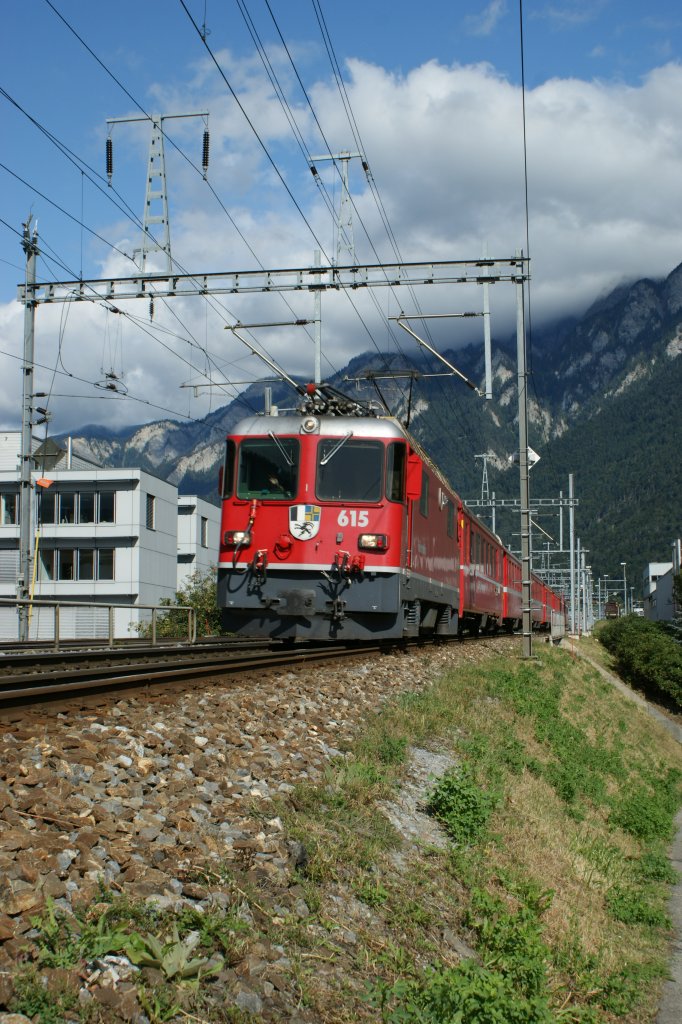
(625,589)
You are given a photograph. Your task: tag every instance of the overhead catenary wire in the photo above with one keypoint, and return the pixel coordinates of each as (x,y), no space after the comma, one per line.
(253,128)
(79,164)
(139,106)
(148,329)
(338,76)
(51,5)
(269,157)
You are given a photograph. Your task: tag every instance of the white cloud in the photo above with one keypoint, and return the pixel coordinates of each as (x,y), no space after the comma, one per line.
(484,23)
(445,148)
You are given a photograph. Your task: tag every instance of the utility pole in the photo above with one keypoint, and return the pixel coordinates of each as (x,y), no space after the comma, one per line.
(156,196)
(485,491)
(345,241)
(29,244)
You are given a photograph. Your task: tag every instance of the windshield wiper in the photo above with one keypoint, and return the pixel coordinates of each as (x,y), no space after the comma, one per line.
(286,455)
(336,448)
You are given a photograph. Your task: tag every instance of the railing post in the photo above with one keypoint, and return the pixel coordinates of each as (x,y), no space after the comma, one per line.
(111,625)
(153,627)
(56,627)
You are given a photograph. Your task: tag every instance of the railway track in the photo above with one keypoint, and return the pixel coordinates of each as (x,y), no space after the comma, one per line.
(31,677)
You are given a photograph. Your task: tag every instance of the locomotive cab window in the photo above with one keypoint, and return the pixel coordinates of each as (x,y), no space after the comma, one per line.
(228,469)
(268,468)
(349,470)
(396,457)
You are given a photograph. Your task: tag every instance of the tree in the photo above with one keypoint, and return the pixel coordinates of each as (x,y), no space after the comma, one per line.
(200,593)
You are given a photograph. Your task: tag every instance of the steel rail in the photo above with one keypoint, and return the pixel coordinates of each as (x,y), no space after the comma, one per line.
(28,688)
(43,660)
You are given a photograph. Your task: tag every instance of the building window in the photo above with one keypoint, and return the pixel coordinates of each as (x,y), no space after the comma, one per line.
(105,564)
(47,506)
(67,564)
(150,520)
(107,506)
(86,507)
(9,509)
(84,564)
(67,508)
(204,532)
(47,564)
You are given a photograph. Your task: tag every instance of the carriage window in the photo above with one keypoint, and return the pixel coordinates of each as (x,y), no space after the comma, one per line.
(395,471)
(451,519)
(424,499)
(349,470)
(268,468)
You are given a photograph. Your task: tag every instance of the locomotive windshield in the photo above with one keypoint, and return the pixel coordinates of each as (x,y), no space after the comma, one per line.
(349,470)
(268,468)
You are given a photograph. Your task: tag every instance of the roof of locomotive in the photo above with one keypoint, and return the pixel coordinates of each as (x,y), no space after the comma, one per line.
(326,426)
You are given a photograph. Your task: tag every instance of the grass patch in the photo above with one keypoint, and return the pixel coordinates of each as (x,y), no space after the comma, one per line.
(461,806)
(558,809)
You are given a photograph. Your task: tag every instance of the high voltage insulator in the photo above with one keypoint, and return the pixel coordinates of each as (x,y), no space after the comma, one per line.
(110,159)
(205,156)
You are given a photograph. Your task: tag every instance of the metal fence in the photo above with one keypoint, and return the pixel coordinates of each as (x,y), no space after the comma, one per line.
(58,622)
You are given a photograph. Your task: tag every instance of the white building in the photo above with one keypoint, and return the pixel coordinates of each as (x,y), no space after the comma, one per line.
(101,537)
(198,536)
(658,587)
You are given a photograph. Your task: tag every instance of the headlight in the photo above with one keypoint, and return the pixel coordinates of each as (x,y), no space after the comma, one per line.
(234,538)
(373,541)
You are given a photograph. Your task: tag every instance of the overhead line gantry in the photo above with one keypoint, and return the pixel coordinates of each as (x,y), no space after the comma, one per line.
(482,271)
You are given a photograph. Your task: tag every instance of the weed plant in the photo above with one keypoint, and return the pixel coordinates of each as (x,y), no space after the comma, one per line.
(186,948)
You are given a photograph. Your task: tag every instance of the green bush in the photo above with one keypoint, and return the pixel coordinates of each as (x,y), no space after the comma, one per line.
(461,806)
(630,907)
(648,811)
(466,994)
(646,654)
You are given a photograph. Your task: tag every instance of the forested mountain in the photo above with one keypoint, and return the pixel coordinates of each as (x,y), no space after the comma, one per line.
(604,404)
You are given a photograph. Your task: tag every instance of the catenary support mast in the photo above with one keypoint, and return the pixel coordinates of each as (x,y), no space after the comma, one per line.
(523,470)
(30,246)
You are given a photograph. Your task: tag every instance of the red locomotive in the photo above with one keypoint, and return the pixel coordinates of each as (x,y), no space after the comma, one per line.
(339,526)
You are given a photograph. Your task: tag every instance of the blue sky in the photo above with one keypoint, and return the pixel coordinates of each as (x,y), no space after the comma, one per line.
(435,90)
